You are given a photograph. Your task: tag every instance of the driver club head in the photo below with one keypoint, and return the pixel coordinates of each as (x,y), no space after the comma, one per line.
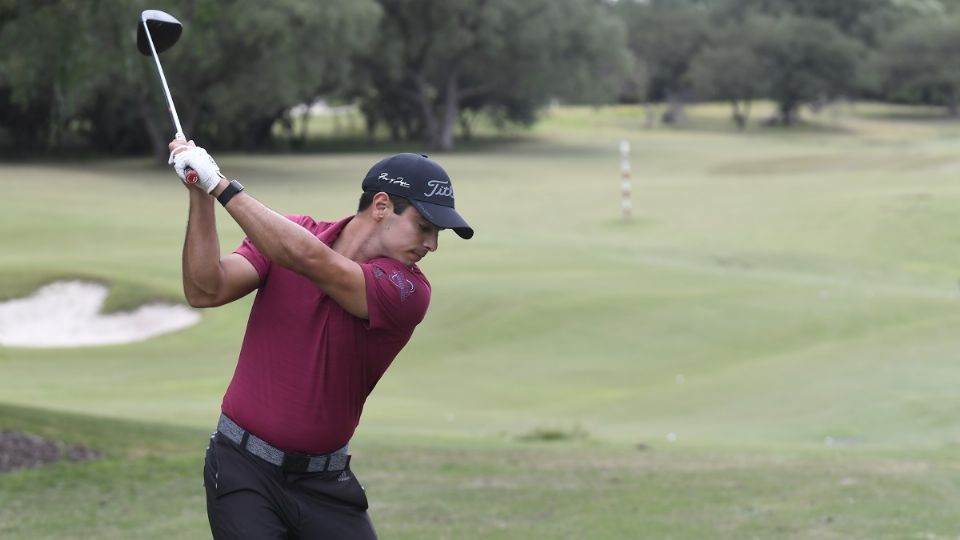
(164,29)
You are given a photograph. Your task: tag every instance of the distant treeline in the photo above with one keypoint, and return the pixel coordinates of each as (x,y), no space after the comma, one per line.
(419,69)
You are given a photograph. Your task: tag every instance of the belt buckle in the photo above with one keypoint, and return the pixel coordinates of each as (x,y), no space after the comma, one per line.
(295,462)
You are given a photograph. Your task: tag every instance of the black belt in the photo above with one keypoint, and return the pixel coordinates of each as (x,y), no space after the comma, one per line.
(288,461)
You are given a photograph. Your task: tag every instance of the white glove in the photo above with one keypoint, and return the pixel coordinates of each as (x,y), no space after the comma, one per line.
(200,161)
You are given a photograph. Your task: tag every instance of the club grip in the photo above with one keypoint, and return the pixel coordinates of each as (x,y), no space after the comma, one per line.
(191,175)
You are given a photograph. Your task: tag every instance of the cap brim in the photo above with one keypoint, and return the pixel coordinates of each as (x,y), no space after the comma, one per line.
(444,217)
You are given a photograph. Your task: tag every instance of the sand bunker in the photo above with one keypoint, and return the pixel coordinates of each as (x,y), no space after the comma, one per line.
(66,314)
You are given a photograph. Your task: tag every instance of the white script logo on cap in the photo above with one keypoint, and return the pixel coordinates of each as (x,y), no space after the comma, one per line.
(397,180)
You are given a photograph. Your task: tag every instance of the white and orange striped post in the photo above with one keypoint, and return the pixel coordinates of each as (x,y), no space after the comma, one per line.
(627,201)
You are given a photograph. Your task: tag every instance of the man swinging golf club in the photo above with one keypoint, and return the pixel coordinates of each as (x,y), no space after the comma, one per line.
(336,301)
(335,304)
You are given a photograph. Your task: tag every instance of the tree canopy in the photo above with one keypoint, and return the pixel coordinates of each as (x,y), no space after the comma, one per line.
(431,61)
(237,69)
(421,69)
(919,63)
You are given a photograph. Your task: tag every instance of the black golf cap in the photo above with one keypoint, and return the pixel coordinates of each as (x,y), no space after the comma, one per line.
(424,183)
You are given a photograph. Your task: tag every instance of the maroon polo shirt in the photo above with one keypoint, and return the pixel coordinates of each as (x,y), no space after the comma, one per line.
(307,365)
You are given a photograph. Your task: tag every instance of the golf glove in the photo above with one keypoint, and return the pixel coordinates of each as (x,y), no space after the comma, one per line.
(200,161)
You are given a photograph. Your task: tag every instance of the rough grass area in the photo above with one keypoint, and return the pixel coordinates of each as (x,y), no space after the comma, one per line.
(149,486)
(115,439)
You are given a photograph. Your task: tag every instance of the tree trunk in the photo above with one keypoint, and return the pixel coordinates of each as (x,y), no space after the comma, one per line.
(370,127)
(649,116)
(788,112)
(674,113)
(260,134)
(451,113)
(159,144)
(740,115)
(300,140)
(395,130)
(426,112)
(465,128)
(438,126)
(55,124)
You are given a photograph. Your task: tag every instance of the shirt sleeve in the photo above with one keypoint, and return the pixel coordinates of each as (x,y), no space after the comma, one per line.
(397,296)
(259,261)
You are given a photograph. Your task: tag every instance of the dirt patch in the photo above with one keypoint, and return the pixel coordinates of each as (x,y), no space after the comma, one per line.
(19,450)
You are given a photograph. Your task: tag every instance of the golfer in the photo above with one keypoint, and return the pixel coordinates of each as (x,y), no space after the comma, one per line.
(335,303)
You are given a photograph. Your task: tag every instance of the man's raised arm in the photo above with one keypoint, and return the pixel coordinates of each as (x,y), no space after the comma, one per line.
(283,242)
(208,279)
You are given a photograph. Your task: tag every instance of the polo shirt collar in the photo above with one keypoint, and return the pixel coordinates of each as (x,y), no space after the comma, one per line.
(329,235)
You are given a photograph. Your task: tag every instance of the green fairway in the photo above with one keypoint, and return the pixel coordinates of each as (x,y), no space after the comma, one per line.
(768,349)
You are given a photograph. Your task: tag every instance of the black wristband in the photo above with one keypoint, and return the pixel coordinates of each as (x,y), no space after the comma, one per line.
(232,189)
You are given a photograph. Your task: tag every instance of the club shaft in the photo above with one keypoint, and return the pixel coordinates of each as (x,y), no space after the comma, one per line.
(163,80)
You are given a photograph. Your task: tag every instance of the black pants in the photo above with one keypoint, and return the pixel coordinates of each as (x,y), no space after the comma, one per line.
(250,498)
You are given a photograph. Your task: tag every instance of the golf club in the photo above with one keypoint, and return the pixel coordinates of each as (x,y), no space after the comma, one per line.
(157,32)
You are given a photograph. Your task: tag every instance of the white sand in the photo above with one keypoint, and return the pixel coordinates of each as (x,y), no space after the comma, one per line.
(65,314)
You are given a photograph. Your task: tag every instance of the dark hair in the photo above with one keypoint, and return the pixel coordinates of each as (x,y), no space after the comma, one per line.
(399,203)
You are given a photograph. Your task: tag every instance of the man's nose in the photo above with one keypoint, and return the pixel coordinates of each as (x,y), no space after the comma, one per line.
(433,240)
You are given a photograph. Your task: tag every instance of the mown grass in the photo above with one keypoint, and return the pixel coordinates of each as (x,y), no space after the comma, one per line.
(766,350)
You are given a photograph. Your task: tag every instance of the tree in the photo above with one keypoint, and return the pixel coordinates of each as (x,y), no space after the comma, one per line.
(805,60)
(790,59)
(864,20)
(280,54)
(731,69)
(242,65)
(919,63)
(664,37)
(48,70)
(432,60)
(239,67)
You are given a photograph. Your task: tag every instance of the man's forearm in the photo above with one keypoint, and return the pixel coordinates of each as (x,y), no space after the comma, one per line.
(279,239)
(201,249)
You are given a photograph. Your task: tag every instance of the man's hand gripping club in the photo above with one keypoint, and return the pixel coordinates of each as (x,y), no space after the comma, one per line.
(187,155)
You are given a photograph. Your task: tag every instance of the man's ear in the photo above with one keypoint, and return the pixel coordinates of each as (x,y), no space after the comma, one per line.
(382,205)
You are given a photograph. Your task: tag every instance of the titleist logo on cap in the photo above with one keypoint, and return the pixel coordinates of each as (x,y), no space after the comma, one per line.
(385,176)
(440,188)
